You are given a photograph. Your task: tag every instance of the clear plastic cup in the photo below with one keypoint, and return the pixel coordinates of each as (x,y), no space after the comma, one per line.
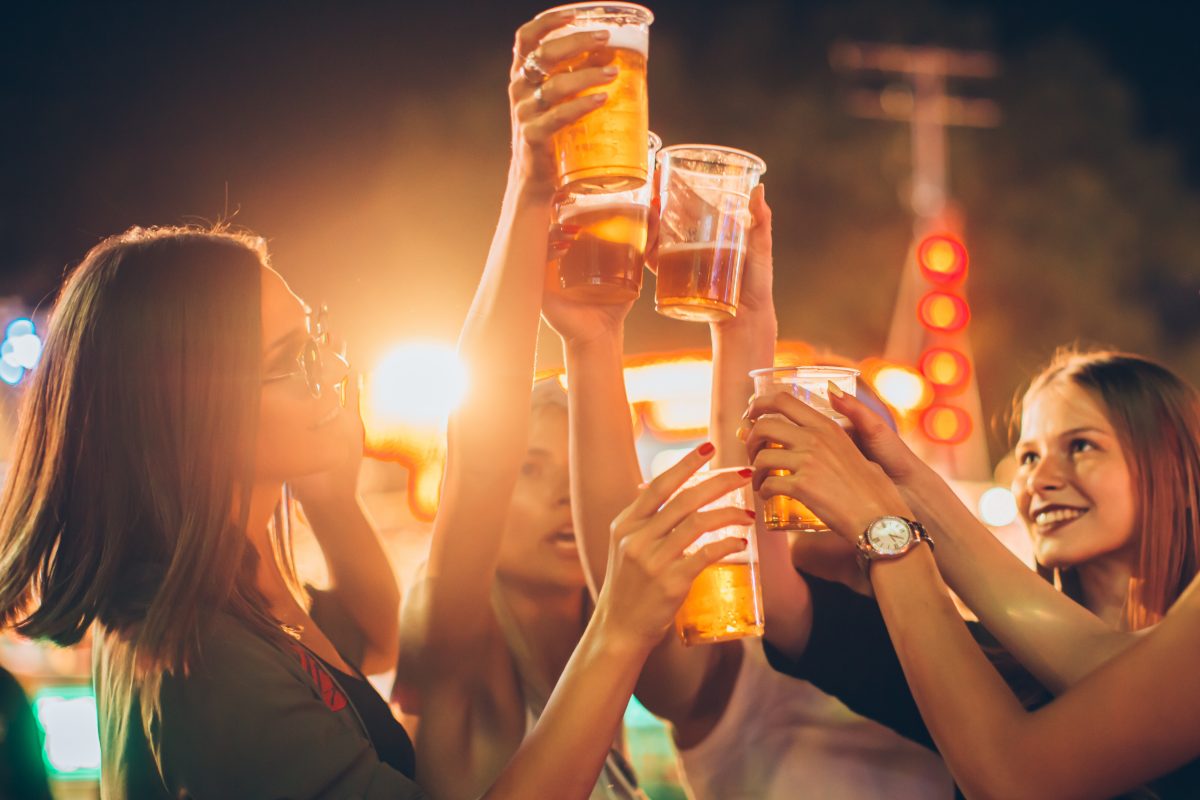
(810,384)
(704,192)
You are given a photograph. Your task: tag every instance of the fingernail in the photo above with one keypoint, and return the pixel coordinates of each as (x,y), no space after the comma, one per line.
(599,97)
(745,542)
(751,513)
(600,36)
(611,70)
(746,473)
(706,448)
(743,433)
(570,228)
(835,391)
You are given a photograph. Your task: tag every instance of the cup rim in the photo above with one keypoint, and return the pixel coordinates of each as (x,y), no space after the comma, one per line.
(753,161)
(633,9)
(845,372)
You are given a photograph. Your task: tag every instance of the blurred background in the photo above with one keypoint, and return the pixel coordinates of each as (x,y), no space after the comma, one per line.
(368,142)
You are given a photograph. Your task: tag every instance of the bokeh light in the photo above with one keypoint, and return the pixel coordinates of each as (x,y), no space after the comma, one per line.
(997,507)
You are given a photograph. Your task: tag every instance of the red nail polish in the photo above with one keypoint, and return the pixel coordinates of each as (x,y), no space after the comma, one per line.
(751,513)
(745,542)
(569,228)
(746,473)
(706,448)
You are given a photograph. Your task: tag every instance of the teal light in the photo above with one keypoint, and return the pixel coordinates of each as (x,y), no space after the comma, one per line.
(67,716)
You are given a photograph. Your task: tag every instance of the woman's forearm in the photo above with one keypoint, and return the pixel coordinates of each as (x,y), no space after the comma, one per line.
(363,577)
(604,468)
(565,751)
(739,345)
(488,433)
(1056,639)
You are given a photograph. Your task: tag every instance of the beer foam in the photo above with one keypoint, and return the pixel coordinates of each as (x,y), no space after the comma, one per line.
(624,37)
(586,206)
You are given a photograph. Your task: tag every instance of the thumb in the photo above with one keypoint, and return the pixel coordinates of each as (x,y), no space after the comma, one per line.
(874,436)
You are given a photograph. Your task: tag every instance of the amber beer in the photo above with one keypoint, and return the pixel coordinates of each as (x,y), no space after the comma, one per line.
(810,384)
(725,601)
(605,151)
(704,200)
(606,254)
(699,282)
(782,513)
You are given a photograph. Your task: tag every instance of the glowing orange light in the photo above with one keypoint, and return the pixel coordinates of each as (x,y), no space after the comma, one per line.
(901,388)
(946,424)
(945,368)
(941,311)
(942,258)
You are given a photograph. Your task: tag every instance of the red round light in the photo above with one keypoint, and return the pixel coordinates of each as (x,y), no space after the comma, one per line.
(946,424)
(945,368)
(944,312)
(942,258)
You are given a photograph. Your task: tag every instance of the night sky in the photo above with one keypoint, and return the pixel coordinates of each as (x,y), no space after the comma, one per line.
(368,141)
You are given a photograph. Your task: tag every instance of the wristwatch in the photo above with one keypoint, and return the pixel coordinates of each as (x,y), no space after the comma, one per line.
(889,537)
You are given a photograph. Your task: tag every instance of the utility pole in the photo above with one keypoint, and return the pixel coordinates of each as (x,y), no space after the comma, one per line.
(920,98)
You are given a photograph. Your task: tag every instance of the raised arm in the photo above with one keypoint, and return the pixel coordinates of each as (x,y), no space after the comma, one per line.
(741,344)
(454,670)
(488,434)
(1056,639)
(1131,720)
(648,578)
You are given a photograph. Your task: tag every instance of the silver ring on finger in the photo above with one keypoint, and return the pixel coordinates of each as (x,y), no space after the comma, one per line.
(533,71)
(539,99)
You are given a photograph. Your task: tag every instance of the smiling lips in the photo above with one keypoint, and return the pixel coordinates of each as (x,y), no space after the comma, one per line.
(1057,515)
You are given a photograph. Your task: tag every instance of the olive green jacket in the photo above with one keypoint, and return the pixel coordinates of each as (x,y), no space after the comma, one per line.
(250,720)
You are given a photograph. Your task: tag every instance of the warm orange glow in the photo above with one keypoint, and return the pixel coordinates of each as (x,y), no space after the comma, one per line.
(946,424)
(902,388)
(942,258)
(945,368)
(941,311)
(407,401)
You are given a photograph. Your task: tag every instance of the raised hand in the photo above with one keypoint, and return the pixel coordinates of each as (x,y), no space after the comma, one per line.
(648,574)
(543,102)
(796,451)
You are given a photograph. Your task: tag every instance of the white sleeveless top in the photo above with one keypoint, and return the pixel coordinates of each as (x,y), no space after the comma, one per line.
(784,739)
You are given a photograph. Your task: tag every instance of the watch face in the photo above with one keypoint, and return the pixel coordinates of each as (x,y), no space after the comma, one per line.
(889,535)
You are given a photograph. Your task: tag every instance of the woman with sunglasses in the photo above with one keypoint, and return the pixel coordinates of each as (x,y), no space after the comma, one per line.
(1110,459)
(181,386)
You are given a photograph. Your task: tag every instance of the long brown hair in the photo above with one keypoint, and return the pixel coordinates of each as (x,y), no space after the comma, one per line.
(135,448)
(1156,416)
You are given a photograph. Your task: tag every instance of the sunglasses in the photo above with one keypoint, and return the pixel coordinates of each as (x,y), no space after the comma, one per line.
(320,365)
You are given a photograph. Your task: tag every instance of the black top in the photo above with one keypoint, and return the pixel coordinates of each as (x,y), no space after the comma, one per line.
(388,736)
(849,635)
(22,771)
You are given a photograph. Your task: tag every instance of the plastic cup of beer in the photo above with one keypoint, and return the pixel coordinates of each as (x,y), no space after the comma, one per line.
(810,384)
(605,253)
(605,150)
(704,192)
(725,601)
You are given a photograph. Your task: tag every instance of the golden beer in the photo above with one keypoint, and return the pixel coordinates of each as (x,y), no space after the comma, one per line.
(811,385)
(725,602)
(604,259)
(704,201)
(605,151)
(699,282)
